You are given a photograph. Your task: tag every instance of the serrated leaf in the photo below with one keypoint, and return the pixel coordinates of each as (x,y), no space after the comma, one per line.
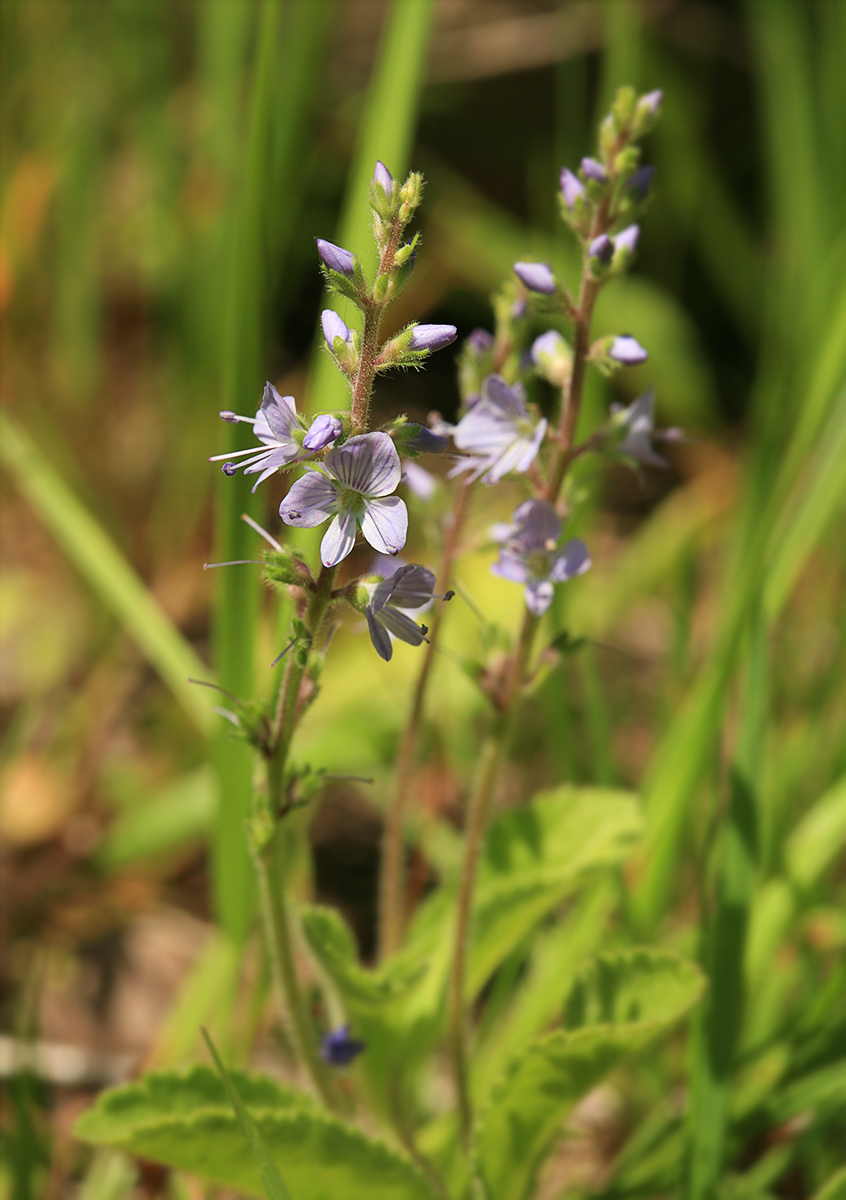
(184,1120)
(542,1084)
(332,943)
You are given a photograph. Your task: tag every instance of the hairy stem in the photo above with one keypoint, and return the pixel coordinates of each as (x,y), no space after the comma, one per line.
(392,874)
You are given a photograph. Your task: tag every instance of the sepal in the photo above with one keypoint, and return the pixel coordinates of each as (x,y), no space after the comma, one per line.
(286,567)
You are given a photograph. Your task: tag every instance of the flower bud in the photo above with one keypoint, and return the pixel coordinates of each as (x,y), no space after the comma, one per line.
(334,327)
(626,239)
(336,259)
(594,170)
(647,112)
(552,357)
(383,177)
(479,342)
(417,439)
(640,183)
(432,337)
(572,189)
(627,350)
(323,430)
(537,277)
(602,249)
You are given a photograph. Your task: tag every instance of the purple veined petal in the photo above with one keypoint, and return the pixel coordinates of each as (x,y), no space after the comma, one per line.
(384,178)
(401,626)
(521,449)
(510,566)
(594,170)
(627,350)
(627,238)
(484,429)
(536,523)
(368,463)
(432,337)
(532,447)
(538,596)
(418,480)
(312,500)
(279,412)
(473,464)
(411,587)
(379,636)
(270,468)
(571,188)
(334,326)
(601,248)
(323,430)
(336,258)
(537,277)
(510,401)
(571,560)
(384,524)
(339,538)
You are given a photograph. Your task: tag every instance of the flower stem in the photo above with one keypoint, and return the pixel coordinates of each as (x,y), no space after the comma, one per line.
(392,874)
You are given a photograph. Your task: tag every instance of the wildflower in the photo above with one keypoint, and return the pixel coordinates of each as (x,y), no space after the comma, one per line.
(499,432)
(335,258)
(537,277)
(635,426)
(432,337)
(531,555)
(594,170)
(353,487)
(338,1049)
(323,430)
(408,588)
(274,425)
(572,188)
(384,178)
(333,327)
(627,350)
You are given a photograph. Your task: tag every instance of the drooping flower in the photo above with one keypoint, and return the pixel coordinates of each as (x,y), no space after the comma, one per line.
(571,188)
(627,350)
(409,587)
(323,431)
(352,487)
(530,554)
(537,277)
(338,1049)
(274,426)
(499,432)
(635,425)
(336,258)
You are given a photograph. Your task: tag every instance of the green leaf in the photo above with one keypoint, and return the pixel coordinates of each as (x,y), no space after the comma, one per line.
(834,1188)
(184,1120)
(818,838)
(635,994)
(333,945)
(274,1184)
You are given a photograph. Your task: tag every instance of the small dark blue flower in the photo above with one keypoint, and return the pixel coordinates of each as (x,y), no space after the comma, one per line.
(338,1049)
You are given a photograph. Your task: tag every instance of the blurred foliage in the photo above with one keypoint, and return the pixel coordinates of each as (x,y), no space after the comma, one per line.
(165,170)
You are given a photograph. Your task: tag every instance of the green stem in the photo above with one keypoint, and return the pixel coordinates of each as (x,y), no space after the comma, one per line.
(277,926)
(392,875)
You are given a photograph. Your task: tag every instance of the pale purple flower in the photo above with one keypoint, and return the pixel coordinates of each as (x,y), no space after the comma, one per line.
(409,587)
(551,355)
(628,351)
(571,188)
(479,342)
(333,326)
(651,102)
(636,424)
(537,277)
(420,440)
(418,480)
(338,1049)
(336,258)
(274,426)
(499,432)
(432,337)
(640,183)
(384,178)
(601,248)
(530,554)
(353,487)
(627,238)
(323,430)
(594,170)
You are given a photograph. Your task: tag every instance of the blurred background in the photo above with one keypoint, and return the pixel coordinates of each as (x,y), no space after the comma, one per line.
(166,167)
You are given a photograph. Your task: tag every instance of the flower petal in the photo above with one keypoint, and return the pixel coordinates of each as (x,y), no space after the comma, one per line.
(409,587)
(538,597)
(378,636)
(280,413)
(312,500)
(571,560)
(535,523)
(510,566)
(402,626)
(339,538)
(368,463)
(385,522)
